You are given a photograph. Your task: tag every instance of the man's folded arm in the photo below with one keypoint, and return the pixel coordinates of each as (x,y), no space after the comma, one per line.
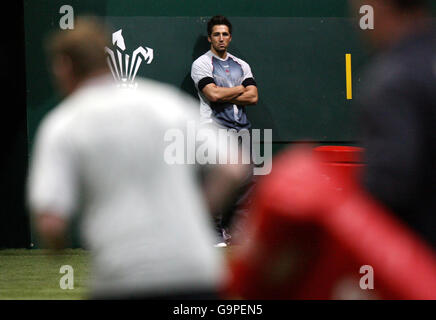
(249,97)
(219,94)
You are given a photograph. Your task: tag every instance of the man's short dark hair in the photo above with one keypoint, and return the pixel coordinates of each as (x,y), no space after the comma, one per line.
(218,20)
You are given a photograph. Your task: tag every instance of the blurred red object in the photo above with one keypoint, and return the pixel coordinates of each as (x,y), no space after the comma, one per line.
(312,228)
(345,160)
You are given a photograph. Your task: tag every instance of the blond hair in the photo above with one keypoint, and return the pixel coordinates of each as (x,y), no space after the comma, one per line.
(84,45)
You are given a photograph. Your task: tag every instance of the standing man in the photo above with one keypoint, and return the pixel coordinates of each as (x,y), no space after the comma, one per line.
(397,101)
(225,87)
(101,151)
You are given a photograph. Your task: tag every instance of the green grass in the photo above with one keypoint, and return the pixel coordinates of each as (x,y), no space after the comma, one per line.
(34,274)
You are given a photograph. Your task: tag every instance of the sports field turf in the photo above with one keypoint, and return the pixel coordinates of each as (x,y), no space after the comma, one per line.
(33,274)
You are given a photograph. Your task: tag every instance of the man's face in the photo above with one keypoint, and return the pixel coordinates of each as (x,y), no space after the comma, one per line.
(220,38)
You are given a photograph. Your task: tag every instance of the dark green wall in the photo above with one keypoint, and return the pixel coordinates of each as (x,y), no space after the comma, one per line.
(296,50)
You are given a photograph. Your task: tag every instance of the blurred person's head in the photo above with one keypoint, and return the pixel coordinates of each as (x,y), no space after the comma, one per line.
(393,19)
(78,55)
(219,31)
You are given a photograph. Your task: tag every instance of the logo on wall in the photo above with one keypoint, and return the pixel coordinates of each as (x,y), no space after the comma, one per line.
(122,67)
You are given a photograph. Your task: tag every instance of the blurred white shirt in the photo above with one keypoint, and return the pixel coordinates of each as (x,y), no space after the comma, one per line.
(101,151)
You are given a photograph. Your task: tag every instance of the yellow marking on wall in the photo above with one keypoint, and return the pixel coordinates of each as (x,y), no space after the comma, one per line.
(348,76)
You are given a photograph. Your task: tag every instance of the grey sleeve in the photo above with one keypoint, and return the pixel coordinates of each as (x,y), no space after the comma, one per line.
(201,73)
(247,70)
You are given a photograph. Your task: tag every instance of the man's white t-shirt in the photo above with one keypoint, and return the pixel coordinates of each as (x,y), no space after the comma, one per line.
(144,221)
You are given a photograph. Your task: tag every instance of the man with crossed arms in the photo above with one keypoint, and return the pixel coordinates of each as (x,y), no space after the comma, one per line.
(225,85)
